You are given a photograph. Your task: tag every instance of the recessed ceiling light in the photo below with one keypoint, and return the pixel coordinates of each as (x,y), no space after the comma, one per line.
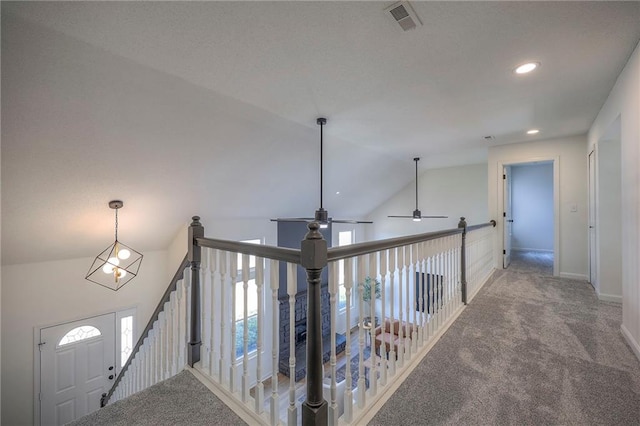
(533,132)
(337,192)
(526,68)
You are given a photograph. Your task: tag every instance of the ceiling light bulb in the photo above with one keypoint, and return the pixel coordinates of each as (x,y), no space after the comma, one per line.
(124,254)
(533,132)
(107,268)
(337,192)
(526,68)
(417,219)
(324,225)
(121,273)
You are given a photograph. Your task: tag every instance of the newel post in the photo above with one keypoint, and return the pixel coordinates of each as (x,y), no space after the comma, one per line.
(313,258)
(463,260)
(196,230)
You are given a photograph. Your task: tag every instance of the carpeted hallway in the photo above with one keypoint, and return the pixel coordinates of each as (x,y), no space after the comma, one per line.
(529,349)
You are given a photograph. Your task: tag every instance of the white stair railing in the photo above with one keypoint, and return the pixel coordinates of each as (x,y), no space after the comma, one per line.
(160,351)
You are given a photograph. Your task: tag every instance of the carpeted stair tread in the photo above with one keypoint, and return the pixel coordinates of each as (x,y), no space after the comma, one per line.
(180,400)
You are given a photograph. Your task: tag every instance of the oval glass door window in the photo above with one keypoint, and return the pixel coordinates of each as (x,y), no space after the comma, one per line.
(79,333)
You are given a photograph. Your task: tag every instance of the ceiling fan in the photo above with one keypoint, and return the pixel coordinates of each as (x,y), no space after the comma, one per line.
(321,215)
(417,215)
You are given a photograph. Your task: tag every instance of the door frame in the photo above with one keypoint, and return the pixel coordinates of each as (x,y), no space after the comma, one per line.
(592,197)
(556,208)
(36,348)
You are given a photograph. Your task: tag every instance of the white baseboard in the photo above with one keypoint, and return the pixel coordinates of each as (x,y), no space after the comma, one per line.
(631,341)
(573,276)
(609,297)
(531,249)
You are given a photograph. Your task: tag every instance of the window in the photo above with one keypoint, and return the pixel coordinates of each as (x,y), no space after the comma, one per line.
(345,238)
(125,334)
(252,306)
(79,333)
(126,338)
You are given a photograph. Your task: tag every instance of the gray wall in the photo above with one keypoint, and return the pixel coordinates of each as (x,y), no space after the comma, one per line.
(532,204)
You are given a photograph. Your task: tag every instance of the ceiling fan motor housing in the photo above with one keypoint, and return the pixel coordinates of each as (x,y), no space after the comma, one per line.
(322,215)
(417,214)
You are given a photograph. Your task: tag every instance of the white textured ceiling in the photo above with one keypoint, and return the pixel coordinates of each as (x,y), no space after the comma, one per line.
(181,108)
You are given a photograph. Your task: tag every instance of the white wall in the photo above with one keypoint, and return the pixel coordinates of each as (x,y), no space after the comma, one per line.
(48,293)
(571,256)
(624,101)
(609,217)
(532,207)
(452,191)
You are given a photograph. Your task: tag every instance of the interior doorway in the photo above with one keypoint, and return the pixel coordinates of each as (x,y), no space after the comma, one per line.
(528,198)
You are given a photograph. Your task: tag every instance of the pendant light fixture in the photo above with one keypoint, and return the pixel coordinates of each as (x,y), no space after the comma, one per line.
(417,214)
(117,264)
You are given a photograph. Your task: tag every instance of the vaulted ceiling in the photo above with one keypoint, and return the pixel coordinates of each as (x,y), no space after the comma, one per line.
(180,108)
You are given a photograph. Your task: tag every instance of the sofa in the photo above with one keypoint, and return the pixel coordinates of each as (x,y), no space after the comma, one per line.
(388,334)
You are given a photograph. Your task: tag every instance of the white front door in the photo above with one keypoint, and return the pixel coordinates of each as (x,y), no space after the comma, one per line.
(507,216)
(77,365)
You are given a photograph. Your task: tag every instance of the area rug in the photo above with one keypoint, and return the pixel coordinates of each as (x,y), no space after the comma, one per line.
(355,370)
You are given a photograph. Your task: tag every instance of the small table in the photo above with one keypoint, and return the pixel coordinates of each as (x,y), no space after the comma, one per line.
(366,325)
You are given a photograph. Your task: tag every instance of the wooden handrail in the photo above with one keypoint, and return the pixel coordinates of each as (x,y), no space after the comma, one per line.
(268,252)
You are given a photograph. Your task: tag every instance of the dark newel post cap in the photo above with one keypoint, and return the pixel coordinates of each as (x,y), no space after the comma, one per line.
(313,248)
(462,223)
(196,221)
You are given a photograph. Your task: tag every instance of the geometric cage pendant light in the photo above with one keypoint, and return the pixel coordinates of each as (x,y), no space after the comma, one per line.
(117,264)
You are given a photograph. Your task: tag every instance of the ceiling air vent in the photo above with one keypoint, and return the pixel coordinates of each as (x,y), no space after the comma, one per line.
(402,13)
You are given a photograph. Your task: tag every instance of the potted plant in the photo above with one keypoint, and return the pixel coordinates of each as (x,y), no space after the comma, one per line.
(370,285)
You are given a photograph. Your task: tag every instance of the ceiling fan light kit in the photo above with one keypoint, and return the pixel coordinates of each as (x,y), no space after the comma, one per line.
(417,214)
(321,215)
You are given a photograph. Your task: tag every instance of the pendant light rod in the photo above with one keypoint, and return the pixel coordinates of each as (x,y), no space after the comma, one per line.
(416,159)
(321,121)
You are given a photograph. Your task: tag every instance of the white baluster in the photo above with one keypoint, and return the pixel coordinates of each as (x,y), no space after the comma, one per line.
(373,371)
(222,259)
(348,396)
(421,277)
(408,293)
(333,290)
(402,276)
(275,349)
(259,393)
(419,292)
(361,332)
(213,362)
(233,364)
(204,346)
(393,356)
(245,328)
(292,288)
(383,315)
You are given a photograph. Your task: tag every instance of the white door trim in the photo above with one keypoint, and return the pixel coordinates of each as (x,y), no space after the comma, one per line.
(36,350)
(556,207)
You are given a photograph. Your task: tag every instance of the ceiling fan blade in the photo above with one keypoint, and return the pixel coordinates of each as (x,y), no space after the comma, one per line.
(349,221)
(292,219)
(410,217)
(434,217)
